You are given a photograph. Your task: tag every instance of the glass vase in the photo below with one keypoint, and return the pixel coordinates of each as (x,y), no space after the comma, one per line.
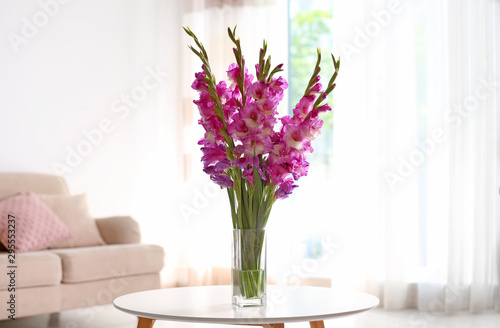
(248,274)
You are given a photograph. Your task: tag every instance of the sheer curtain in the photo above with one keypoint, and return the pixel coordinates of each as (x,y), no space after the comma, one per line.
(410,212)
(416,122)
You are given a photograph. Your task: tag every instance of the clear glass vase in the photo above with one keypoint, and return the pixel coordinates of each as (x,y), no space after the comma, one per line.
(249,267)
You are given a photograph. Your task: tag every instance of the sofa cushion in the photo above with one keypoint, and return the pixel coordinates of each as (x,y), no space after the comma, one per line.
(100,292)
(34,269)
(28,224)
(32,301)
(74,213)
(109,261)
(119,230)
(14,183)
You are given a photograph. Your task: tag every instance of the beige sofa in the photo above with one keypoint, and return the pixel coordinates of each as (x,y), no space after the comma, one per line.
(54,280)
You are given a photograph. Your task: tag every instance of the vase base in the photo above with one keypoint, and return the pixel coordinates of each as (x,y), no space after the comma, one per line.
(244,302)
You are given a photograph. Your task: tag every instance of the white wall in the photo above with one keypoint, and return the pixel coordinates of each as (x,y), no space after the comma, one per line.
(65,68)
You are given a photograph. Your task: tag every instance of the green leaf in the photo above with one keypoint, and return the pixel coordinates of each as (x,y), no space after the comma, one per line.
(230,193)
(257,196)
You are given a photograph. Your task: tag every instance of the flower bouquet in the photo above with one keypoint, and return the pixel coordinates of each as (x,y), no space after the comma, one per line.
(247,152)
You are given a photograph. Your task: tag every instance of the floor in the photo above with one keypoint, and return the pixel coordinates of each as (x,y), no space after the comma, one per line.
(109,317)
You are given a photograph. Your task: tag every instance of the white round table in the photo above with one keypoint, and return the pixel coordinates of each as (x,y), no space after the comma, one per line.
(212,304)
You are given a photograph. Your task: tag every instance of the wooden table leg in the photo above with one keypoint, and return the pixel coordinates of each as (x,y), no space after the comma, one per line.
(145,323)
(317,324)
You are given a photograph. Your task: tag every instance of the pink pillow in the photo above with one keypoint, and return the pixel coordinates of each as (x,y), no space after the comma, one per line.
(74,213)
(36,226)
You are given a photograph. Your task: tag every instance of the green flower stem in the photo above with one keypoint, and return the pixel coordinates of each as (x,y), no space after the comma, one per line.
(312,80)
(251,277)
(331,84)
(241,64)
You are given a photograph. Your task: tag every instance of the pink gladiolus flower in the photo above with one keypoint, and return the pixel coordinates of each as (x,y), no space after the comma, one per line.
(248,170)
(269,106)
(248,175)
(279,85)
(205,105)
(268,125)
(285,189)
(304,106)
(208,139)
(238,151)
(313,115)
(282,162)
(212,154)
(277,173)
(252,116)
(241,149)
(222,165)
(233,72)
(223,92)
(324,108)
(199,83)
(238,129)
(279,150)
(212,126)
(317,88)
(296,136)
(258,91)
(313,128)
(222,180)
(230,107)
(243,162)
(248,79)
(287,120)
(257,145)
(279,156)
(300,167)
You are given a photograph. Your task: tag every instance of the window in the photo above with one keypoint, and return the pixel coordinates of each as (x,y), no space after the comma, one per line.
(310,27)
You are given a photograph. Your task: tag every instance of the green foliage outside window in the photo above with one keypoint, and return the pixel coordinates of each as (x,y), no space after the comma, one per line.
(310,28)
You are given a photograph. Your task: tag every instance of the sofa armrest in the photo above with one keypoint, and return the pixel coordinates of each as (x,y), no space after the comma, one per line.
(119,230)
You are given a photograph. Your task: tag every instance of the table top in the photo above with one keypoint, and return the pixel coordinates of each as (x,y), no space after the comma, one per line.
(212,304)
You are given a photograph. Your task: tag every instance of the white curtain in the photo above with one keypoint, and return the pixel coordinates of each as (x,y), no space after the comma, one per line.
(416,123)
